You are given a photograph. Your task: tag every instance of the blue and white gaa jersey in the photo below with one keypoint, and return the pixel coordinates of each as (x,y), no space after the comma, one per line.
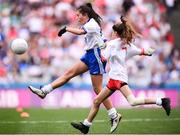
(93,36)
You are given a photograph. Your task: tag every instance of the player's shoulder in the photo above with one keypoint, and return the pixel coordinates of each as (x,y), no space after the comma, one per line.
(114,42)
(92,23)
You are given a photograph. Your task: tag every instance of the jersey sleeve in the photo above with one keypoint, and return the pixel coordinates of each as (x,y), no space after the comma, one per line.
(132,50)
(90,27)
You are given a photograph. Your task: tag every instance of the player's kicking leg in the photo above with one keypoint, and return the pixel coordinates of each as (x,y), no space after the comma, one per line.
(38,92)
(115,122)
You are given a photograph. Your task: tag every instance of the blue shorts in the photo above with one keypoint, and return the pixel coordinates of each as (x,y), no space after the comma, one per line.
(92,58)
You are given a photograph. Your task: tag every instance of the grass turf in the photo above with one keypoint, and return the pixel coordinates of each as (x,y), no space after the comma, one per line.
(57,121)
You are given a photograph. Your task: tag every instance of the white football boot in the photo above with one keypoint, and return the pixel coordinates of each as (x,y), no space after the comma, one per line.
(115,122)
(38,92)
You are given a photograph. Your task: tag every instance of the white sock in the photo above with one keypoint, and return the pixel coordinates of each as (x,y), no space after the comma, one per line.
(47,88)
(87,123)
(159,101)
(112,113)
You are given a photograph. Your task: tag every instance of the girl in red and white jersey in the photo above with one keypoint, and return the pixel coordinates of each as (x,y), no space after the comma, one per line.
(117,52)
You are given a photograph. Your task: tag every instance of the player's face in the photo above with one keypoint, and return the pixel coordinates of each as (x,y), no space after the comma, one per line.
(114,34)
(82,19)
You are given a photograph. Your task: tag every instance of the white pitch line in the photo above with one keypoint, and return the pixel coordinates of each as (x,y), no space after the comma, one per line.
(96,121)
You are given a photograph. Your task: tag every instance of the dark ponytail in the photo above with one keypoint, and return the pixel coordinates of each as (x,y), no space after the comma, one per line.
(88,9)
(125,30)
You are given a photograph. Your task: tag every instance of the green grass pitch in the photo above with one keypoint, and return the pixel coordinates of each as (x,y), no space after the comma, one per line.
(57,121)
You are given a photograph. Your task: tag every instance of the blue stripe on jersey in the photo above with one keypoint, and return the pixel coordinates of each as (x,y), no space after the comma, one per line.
(84,29)
(101,67)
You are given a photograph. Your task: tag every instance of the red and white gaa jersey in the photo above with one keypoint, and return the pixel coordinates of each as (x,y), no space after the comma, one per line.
(117,53)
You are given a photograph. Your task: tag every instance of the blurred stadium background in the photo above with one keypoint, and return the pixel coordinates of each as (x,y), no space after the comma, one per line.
(38,22)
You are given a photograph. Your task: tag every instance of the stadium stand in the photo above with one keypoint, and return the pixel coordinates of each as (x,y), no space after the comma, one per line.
(48,56)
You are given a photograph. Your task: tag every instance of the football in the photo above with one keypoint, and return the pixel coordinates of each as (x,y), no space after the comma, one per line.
(19,46)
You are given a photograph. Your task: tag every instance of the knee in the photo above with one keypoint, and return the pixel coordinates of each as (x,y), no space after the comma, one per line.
(96,102)
(97,90)
(132,100)
(132,103)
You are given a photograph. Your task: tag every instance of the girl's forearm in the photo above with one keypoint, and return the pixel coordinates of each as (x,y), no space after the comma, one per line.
(75,30)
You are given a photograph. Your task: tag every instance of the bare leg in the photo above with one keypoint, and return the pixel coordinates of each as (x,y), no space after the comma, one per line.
(77,69)
(84,127)
(126,91)
(103,95)
(97,85)
(164,102)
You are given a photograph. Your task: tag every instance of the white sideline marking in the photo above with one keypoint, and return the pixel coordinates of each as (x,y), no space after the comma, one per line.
(96,121)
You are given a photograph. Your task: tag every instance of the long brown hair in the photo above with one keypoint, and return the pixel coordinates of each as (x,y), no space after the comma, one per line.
(125,31)
(88,9)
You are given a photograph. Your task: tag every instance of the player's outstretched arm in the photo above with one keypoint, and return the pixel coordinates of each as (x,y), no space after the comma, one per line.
(65,29)
(133,50)
(76,31)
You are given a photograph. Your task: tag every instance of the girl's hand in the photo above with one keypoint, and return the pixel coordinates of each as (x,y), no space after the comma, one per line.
(62,31)
(149,51)
(102,46)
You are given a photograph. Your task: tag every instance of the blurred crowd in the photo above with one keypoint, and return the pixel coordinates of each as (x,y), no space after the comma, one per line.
(48,56)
